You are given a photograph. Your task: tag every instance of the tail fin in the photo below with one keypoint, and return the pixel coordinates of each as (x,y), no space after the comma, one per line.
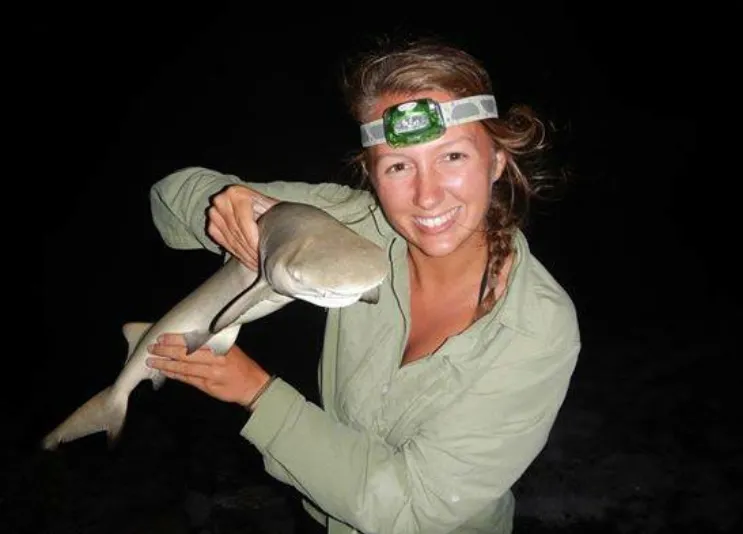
(103,412)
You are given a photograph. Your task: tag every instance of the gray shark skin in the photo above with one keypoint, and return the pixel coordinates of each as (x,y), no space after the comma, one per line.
(304,254)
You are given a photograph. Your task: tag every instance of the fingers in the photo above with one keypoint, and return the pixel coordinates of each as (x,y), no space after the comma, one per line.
(232,226)
(225,230)
(184,370)
(173,347)
(172,339)
(249,232)
(201,369)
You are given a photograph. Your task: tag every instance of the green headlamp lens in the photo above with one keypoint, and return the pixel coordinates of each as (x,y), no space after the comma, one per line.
(413,122)
(424,119)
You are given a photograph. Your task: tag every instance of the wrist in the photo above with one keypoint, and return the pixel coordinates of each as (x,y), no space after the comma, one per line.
(252,402)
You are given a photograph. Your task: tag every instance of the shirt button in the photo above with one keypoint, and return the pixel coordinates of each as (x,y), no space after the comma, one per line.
(385,389)
(455,498)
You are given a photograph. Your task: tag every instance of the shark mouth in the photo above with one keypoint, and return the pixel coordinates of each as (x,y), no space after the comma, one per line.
(334,299)
(330,301)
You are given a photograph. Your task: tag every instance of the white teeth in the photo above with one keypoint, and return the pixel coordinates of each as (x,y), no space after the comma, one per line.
(434,222)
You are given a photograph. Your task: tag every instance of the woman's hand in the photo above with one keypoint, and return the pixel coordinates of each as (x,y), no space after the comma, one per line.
(234,377)
(231,221)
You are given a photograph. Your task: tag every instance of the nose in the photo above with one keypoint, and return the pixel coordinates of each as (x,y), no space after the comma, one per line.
(428,190)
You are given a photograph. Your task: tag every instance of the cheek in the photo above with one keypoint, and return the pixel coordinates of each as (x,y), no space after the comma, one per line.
(466,183)
(455,181)
(389,192)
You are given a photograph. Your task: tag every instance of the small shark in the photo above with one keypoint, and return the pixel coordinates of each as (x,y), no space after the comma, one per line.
(304,253)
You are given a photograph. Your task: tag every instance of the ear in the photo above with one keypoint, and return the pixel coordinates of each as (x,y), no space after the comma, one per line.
(499,164)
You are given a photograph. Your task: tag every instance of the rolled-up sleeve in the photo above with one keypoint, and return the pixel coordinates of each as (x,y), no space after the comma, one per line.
(178,202)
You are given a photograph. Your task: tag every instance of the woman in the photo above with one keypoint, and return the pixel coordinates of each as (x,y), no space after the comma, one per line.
(438,397)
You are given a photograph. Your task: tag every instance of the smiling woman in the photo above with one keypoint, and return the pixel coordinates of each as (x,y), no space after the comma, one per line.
(438,395)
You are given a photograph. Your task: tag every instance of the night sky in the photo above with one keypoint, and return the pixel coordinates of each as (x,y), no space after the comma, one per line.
(641,238)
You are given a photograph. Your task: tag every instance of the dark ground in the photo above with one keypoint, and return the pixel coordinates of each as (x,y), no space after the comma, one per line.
(647,441)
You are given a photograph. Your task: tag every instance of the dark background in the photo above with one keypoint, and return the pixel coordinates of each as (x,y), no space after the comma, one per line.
(116,98)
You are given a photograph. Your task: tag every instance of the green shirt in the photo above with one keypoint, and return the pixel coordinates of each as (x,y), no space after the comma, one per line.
(433,446)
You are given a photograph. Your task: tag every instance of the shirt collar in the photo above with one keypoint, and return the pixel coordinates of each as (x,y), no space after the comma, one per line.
(516,308)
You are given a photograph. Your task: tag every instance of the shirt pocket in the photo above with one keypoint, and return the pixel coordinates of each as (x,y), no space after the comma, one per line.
(363,378)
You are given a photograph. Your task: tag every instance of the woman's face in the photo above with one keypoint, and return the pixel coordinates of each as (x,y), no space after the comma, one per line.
(436,194)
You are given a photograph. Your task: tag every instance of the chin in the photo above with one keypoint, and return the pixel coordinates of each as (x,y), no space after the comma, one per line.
(438,246)
(435,248)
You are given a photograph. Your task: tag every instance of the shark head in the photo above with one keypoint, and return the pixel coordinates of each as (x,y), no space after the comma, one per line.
(331,276)
(329,266)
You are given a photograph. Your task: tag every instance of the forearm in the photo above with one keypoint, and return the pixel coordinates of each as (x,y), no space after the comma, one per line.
(334,473)
(179,202)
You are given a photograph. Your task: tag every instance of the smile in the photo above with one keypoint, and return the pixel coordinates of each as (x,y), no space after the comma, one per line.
(439,220)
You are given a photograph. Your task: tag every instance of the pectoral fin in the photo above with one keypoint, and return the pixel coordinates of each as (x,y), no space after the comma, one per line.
(231,313)
(222,342)
(196,339)
(371,296)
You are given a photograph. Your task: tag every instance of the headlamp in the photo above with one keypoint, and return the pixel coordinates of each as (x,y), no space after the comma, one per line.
(424,119)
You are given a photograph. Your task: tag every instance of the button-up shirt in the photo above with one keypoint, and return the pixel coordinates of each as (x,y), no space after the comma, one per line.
(430,447)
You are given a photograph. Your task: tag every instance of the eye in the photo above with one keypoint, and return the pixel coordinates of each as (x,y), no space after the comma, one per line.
(394,168)
(455,156)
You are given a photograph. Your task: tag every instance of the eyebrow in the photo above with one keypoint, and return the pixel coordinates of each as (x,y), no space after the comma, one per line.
(459,139)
